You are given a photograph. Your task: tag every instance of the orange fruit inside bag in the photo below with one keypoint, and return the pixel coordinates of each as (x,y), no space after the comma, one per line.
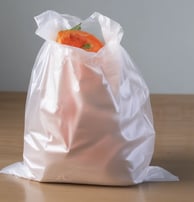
(80,39)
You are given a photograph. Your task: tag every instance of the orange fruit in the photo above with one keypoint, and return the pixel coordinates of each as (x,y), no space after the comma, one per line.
(79,39)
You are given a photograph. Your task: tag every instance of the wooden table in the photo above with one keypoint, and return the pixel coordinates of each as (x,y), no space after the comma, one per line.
(174,150)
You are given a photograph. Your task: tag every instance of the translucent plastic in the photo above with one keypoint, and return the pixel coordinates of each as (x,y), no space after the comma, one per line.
(88,116)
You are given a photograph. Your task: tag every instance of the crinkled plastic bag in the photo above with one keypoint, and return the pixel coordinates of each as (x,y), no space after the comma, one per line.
(88,117)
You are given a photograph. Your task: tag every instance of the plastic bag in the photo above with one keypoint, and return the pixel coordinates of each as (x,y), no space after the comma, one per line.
(88,116)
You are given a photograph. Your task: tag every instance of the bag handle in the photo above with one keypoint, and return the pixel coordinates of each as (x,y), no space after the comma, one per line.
(50,23)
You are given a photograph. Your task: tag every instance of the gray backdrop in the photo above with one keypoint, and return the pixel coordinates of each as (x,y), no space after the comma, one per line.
(159,36)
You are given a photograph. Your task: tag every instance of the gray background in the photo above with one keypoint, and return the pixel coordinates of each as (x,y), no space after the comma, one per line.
(159,36)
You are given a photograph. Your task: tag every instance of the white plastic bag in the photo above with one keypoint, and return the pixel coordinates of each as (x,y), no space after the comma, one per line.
(88,116)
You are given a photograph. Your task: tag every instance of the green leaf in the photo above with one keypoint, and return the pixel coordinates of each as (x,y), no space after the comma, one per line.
(77,27)
(86,46)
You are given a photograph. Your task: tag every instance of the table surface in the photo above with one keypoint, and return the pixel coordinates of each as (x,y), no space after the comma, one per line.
(174,150)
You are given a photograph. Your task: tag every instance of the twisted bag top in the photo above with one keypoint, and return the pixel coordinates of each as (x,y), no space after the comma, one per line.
(88,117)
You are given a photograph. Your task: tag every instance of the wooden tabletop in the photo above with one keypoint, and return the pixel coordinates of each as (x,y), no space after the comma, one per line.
(174,150)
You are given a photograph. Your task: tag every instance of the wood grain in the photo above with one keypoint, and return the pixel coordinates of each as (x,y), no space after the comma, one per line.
(174,150)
